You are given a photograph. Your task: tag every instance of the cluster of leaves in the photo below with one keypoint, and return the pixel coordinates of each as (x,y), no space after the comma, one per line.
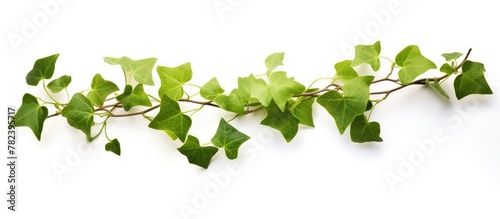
(288,103)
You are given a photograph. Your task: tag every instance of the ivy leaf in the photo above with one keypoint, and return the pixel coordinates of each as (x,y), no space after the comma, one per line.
(113,146)
(283,88)
(172,80)
(451,56)
(412,64)
(363,131)
(171,118)
(283,121)
(141,70)
(446,68)
(80,114)
(273,61)
(471,81)
(214,92)
(197,154)
(136,97)
(100,89)
(344,108)
(368,54)
(251,87)
(32,115)
(303,111)
(229,138)
(59,84)
(42,69)
(435,84)
(344,71)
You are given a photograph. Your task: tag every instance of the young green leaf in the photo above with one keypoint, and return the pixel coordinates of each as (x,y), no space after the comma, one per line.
(451,56)
(303,111)
(283,88)
(344,71)
(412,64)
(42,69)
(171,118)
(229,138)
(368,54)
(113,146)
(435,84)
(273,61)
(471,81)
(251,87)
(363,131)
(80,114)
(197,154)
(32,115)
(446,68)
(100,89)
(283,121)
(141,70)
(59,84)
(214,92)
(136,97)
(172,80)
(344,108)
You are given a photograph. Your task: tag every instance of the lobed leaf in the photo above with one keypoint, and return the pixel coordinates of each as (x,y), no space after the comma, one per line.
(141,70)
(283,88)
(303,110)
(368,54)
(170,118)
(79,113)
(229,138)
(197,154)
(42,69)
(135,97)
(412,64)
(100,90)
(59,84)
(471,81)
(283,121)
(363,131)
(113,146)
(273,61)
(344,71)
(173,79)
(32,115)
(451,56)
(435,84)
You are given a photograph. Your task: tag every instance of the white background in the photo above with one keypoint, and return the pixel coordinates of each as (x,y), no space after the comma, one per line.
(320,174)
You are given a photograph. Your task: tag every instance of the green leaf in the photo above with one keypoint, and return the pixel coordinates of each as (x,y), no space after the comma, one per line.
(451,56)
(446,68)
(273,61)
(283,121)
(214,92)
(141,70)
(100,89)
(229,138)
(80,114)
(32,115)
(197,154)
(435,84)
(42,69)
(344,108)
(171,118)
(344,71)
(113,146)
(136,97)
(412,64)
(283,88)
(59,84)
(369,105)
(471,81)
(303,111)
(362,131)
(368,54)
(172,80)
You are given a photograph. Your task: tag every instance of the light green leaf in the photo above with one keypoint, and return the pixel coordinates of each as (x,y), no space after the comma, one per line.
(100,89)
(446,68)
(32,115)
(80,114)
(136,97)
(197,154)
(214,92)
(251,87)
(303,111)
(344,71)
(141,70)
(451,56)
(435,84)
(283,121)
(172,80)
(171,118)
(59,84)
(412,64)
(471,81)
(363,131)
(344,108)
(283,88)
(229,138)
(42,69)
(368,54)
(113,146)
(273,61)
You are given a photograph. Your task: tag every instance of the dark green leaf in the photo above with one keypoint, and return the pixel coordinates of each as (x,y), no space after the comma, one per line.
(435,84)
(172,80)
(412,64)
(451,56)
(283,88)
(368,54)
(303,111)
(32,115)
(80,114)
(197,154)
(369,105)
(229,138)
(171,118)
(283,121)
(42,69)
(273,61)
(113,146)
(471,81)
(141,70)
(59,84)
(362,131)
(344,71)
(100,89)
(136,97)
